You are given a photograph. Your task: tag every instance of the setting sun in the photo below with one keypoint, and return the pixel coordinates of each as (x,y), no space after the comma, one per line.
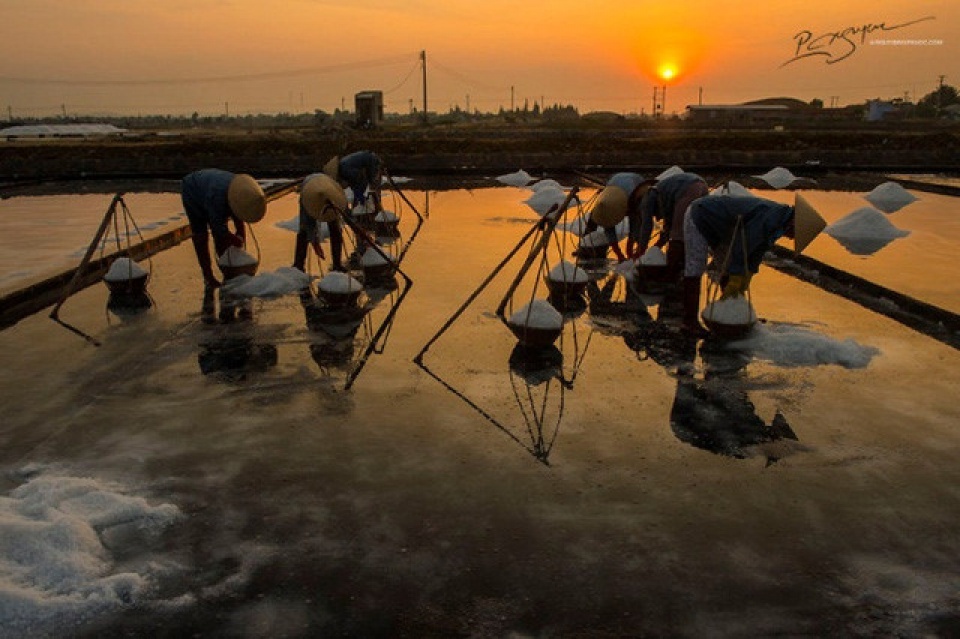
(667,72)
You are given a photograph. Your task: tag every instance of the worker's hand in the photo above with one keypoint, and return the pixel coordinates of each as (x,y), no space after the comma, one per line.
(736,286)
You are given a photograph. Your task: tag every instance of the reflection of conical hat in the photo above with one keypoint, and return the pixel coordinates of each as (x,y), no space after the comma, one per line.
(246,198)
(322,198)
(611,206)
(332,168)
(807,223)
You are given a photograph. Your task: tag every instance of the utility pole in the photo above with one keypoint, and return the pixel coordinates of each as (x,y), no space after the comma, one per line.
(423,62)
(226,109)
(9,113)
(468,103)
(940,94)
(700,97)
(511,98)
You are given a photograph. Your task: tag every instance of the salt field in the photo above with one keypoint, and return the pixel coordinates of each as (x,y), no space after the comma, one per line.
(263,464)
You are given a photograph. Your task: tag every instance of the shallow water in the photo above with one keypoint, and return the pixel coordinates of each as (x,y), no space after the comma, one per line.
(626,482)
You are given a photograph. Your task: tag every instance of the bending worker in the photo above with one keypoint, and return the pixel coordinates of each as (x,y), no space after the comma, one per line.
(668,201)
(738,231)
(211,197)
(620,198)
(359,171)
(321,200)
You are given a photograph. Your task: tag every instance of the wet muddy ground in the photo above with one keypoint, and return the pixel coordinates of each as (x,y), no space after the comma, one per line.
(626,483)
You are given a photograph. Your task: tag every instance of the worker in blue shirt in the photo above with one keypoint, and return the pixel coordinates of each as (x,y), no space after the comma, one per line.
(211,198)
(619,199)
(360,170)
(738,231)
(668,201)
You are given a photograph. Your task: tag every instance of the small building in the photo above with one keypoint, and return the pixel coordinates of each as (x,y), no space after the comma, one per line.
(369,109)
(736,112)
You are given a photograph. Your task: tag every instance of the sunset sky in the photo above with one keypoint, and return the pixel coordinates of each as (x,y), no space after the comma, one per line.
(251,56)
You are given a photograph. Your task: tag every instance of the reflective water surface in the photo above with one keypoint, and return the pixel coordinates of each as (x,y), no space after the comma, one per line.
(622,481)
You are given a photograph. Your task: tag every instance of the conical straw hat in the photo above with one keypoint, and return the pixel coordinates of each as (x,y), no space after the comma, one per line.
(246,198)
(807,223)
(611,206)
(332,167)
(319,194)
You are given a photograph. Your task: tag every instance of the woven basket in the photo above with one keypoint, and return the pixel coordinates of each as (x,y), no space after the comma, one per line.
(132,286)
(537,337)
(727,331)
(230,272)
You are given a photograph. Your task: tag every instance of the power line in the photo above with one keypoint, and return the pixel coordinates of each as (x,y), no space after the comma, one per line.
(268,75)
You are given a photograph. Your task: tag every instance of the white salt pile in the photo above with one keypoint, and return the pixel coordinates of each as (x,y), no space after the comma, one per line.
(778,177)
(654,256)
(284,280)
(123,269)
(889,197)
(733,188)
(545,199)
(520,178)
(577,227)
(336,282)
(62,539)
(386,217)
(361,210)
(396,178)
(732,311)
(538,314)
(865,223)
(673,170)
(372,257)
(236,256)
(567,272)
(790,345)
(539,185)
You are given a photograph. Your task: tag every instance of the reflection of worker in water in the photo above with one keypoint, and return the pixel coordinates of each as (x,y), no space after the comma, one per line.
(211,198)
(737,231)
(619,199)
(668,202)
(231,352)
(715,413)
(360,171)
(321,200)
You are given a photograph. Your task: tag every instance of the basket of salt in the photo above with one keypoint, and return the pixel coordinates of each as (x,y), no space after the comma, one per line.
(652,274)
(593,246)
(126,277)
(729,318)
(376,266)
(537,324)
(363,216)
(386,223)
(339,289)
(235,262)
(566,281)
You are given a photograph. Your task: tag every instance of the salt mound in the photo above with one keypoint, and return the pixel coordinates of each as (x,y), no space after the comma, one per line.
(577,227)
(68,556)
(285,279)
(673,170)
(567,272)
(538,314)
(236,256)
(545,184)
(336,282)
(889,197)
(733,311)
(293,224)
(123,269)
(371,257)
(654,256)
(387,217)
(733,188)
(778,177)
(545,199)
(790,345)
(360,210)
(865,223)
(520,178)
